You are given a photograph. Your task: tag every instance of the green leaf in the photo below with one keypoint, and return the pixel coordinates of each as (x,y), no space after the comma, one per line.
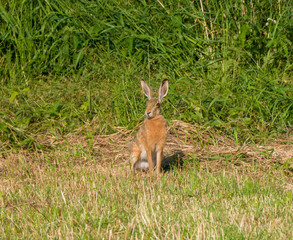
(13,96)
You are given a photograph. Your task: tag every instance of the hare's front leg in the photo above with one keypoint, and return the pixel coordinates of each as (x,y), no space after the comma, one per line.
(159,161)
(150,160)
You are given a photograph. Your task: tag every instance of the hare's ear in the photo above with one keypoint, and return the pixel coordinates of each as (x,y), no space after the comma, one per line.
(146,89)
(163,90)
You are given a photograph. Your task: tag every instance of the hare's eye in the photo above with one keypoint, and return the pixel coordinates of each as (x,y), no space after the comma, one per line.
(158,104)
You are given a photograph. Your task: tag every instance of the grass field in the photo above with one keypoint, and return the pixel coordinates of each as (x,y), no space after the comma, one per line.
(70,193)
(70,102)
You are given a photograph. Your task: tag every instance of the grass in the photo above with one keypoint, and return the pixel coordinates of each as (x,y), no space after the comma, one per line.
(51,195)
(84,188)
(71,101)
(228,65)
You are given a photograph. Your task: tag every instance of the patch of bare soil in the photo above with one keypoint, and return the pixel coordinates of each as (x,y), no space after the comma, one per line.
(195,144)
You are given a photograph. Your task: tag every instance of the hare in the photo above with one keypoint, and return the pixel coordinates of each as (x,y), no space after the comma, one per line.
(146,150)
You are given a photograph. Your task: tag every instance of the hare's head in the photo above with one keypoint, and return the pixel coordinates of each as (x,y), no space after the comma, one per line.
(153,104)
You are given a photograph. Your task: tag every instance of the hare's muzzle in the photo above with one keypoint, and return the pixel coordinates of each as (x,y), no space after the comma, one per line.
(148,114)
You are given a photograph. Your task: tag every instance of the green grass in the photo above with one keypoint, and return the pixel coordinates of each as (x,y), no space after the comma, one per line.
(51,195)
(67,62)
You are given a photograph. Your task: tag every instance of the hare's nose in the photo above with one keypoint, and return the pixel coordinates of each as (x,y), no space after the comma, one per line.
(148,114)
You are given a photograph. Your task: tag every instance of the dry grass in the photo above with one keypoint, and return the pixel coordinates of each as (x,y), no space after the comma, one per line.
(83,187)
(205,145)
(188,143)
(193,143)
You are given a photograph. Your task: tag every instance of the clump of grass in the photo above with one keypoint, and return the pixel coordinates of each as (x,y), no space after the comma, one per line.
(65,63)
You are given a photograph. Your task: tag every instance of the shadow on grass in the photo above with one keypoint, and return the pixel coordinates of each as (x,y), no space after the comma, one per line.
(173,161)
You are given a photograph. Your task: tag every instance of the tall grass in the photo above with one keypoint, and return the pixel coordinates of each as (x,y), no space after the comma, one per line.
(64,63)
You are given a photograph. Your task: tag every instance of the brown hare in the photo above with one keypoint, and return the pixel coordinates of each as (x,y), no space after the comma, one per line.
(146,150)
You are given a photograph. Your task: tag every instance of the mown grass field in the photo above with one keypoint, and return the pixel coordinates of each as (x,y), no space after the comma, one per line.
(70,102)
(54,196)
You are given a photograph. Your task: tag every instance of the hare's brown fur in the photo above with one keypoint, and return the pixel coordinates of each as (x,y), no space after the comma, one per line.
(146,150)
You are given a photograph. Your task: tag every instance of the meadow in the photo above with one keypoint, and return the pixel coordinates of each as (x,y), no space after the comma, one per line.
(71,101)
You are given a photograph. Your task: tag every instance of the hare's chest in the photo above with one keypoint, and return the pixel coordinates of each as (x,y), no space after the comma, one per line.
(156,130)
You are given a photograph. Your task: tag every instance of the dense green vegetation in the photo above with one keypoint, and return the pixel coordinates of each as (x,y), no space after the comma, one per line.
(64,63)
